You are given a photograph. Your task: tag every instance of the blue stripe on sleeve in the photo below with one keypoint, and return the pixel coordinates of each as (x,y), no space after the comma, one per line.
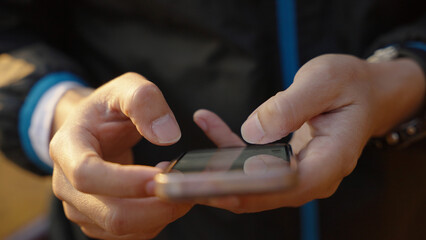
(309,221)
(287,38)
(29,106)
(416,45)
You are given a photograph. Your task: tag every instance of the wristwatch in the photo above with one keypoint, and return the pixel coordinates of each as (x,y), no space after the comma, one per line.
(414,129)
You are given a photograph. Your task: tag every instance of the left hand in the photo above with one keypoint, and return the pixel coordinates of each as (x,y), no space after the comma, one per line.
(336,103)
(101,190)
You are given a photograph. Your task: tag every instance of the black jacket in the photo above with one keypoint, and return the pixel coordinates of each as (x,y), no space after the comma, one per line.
(219,55)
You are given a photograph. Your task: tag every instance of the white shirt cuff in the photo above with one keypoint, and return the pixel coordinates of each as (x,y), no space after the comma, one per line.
(41,120)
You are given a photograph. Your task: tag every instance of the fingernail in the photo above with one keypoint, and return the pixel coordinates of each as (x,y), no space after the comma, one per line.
(255,165)
(166,129)
(202,124)
(150,188)
(252,130)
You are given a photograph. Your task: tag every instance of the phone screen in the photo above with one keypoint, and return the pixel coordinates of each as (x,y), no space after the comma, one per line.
(250,160)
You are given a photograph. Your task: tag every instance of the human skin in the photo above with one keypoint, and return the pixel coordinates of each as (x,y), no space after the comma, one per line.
(336,103)
(93,175)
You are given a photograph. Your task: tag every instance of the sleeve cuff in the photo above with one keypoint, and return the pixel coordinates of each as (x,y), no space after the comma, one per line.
(36,114)
(415,51)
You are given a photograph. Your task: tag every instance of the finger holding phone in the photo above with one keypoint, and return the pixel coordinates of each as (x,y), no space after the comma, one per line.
(336,103)
(93,175)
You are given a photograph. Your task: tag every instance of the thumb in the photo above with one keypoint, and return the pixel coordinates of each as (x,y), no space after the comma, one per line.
(286,111)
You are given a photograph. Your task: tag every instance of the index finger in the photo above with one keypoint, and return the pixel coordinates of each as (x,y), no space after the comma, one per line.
(143,103)
(89,173)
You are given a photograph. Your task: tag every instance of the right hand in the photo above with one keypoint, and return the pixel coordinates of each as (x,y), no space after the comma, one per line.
(101,191)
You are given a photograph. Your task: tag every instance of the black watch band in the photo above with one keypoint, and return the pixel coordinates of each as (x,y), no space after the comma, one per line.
(404,135)
(414,129)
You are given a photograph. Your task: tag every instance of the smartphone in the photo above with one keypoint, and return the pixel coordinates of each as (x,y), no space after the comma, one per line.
(228,171)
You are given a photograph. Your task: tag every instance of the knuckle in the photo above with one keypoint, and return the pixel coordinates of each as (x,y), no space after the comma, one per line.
(145,94)
(347,68)
(89,233)
(56,189)
(69,213)
(147,90)
(320,67)
(57,186)
(282,110)
(272,109)
(325,70)
(56,146)
(80,174)
(78,179)
(52,147)
(275,108)
(132,75)
(324,73)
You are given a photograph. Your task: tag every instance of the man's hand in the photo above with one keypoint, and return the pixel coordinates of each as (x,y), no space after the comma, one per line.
(101,192)
(336,103)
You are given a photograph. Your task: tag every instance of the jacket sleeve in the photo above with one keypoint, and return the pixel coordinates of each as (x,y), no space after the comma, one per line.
(410,39)
(25,58)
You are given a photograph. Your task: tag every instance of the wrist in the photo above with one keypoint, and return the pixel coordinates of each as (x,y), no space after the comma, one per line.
(69,100)
(399,87)
(36,114)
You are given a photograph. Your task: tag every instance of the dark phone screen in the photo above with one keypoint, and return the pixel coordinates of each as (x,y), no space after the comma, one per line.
(252,159)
